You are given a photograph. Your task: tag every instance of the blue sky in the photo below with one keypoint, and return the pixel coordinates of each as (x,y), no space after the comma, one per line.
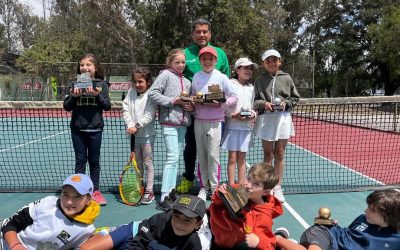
(36,6)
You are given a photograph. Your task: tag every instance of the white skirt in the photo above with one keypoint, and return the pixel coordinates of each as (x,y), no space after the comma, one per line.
(274,126)
(237,140)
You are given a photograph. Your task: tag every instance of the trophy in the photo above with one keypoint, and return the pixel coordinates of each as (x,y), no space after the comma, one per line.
(214,94)
(276,104)
(245,112)
(199,97)
(185,96)
(324,217)
(234,200)
(84,81)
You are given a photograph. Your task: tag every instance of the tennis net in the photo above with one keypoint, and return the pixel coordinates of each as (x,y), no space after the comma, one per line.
(341,144)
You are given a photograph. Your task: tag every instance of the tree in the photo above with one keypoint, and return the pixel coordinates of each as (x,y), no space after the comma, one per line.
(385,50)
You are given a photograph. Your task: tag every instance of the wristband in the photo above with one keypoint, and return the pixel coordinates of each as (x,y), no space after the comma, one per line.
(16,244)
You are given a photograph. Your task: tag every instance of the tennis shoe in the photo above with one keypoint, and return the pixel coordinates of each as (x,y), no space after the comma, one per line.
(203,194)
(165,205)
(148,198)
(185,186)
(282,231)
(278,193)
(99,198)
(173,194)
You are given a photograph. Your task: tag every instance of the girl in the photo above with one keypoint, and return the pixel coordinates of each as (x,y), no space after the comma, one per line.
(238,125)
(208,119)
(54,223)
(139,112)
(275,98)
(87,122)
(174,117)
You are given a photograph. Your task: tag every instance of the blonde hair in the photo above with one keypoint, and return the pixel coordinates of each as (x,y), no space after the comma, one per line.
(264,173)
(171,56)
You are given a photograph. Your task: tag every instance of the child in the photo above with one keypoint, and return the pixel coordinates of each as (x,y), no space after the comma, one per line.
(54,223)
(378,228)
(139,112)
(173,117)
(238,125)
(208,119)
(174,229)
(275,98)
(87,122)
(256,216)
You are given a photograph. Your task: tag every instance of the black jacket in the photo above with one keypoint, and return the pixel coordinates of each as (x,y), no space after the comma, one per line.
(87,111)
(157,233)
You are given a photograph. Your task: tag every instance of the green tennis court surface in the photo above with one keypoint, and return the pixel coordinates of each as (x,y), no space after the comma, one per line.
(340,146)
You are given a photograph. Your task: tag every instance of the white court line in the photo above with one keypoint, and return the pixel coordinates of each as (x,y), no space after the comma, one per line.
(296,215)
(30,142)
(291,209)
(340,165)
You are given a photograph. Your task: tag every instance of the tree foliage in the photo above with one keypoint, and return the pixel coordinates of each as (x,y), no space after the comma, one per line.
(351,45)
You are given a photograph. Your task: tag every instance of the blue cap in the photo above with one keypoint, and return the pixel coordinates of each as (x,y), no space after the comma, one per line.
(81,183)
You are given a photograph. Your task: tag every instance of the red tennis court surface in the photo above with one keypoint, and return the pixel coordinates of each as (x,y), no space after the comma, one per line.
(370,152)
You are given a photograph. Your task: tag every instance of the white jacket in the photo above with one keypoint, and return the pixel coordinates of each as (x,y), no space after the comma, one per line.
(139,109)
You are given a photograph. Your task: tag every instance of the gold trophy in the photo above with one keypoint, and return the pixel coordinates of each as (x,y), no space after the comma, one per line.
(199,97)
(185,96)
(234,200)
(214,94)
(324,217)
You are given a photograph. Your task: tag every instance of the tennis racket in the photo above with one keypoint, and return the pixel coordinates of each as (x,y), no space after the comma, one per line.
(131,188)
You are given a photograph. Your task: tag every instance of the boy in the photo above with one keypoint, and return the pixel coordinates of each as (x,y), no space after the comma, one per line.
(54,223)
(209,118)
(378,228)
(176,228)
(253,229)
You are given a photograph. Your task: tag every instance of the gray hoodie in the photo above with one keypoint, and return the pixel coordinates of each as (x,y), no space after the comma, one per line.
(169,85)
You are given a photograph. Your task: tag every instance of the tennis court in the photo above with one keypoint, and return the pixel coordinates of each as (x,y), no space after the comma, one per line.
(340,145)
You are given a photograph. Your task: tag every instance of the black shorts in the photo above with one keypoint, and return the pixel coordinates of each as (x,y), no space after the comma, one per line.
(317,235)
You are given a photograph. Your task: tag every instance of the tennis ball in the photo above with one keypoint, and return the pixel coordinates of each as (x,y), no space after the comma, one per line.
(184,93)
(324,213)
(199,94)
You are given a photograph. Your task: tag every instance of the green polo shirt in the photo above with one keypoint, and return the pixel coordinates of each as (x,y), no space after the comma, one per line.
(193,63)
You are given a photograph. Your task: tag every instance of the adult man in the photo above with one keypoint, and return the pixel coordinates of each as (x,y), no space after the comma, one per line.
(201,36)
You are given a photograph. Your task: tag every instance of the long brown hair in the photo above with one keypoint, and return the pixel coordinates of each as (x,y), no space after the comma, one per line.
(99,73)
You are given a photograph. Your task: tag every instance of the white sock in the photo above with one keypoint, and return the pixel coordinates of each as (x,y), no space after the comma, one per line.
(163,195)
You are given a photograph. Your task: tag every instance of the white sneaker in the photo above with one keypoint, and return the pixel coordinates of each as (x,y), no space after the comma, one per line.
(203,194)
(278,193)
(282,231)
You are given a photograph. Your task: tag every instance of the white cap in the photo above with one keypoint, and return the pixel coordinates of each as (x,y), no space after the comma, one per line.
(245,62)
(270,52)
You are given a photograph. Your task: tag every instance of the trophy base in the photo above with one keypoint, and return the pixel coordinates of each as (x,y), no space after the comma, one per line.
(186,99)
(325,222)
(277,108)
(198,100)
(245,113)
(216,96)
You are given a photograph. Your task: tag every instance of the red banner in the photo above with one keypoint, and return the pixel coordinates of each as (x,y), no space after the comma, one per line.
(120,86)
(28,86)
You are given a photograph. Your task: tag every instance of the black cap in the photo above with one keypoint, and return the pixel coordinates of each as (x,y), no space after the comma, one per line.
(190,205)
